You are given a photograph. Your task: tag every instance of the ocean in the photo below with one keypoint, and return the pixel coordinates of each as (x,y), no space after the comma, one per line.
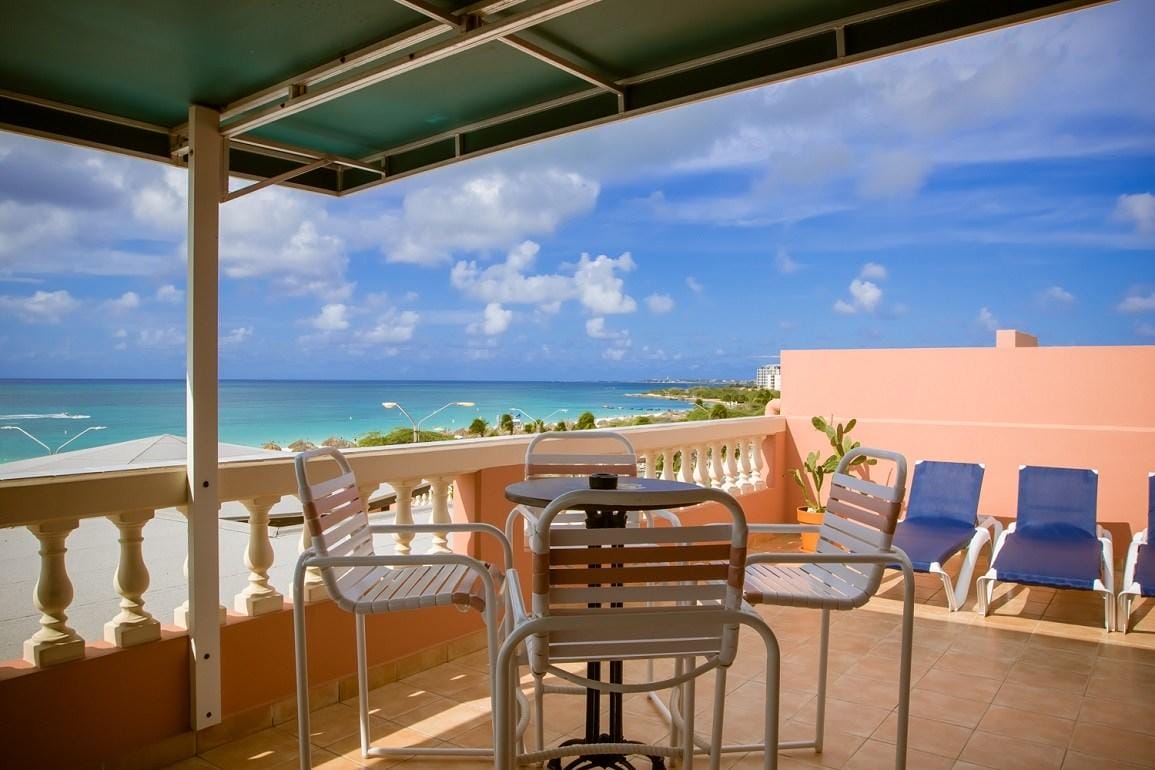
(253,412)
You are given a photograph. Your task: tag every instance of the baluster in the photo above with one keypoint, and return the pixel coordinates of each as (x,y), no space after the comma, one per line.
(733,483)
(133,624)
(687,468)
(756,462)
(648,459)
(180,614)
(746,482)
(717,477)
(702,466)
(439,491)
(668,464)
(314,584)
(404,489)
(54,642)
(259,597)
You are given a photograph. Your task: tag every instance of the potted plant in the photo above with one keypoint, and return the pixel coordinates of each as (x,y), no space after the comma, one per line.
(812,475)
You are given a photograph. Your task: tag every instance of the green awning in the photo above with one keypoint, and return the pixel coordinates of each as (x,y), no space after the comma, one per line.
(364,91)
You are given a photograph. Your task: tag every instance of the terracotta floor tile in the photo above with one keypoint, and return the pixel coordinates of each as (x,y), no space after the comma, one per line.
(192,763)
(929,735)
(1028,726)
(859,689)
(1114,744)
(1039,700)
(947,708)
(1040,674)
(959,685)
(265,749)
(975,665)
(321,759)
(1076,761)
(1002,753)
(846,717)
(837,747)
(876,755)
(1117,713)
(391,736)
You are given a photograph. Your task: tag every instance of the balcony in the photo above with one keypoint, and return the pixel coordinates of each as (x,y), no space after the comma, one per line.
(1038,683)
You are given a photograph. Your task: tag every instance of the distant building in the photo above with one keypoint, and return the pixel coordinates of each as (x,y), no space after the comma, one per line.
(769,377)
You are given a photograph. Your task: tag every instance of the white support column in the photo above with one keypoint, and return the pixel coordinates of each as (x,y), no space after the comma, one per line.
(746,482)
(55,642)
(404,513)
(648,457)
(717,475)
(668,464)
(733,483)
(686,469)
(259,596)
(133,624)
(756,462)
(702,465)
(207,182)
(439,491)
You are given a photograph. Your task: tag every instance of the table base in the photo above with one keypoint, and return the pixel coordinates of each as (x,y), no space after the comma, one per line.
(608,761)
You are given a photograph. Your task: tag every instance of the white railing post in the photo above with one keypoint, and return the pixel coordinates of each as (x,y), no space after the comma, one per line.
(686,470)
(439,491)
(648,458)
(733,482)
(746,481)
(259,596)
(756,461)
(133,624)
(702,466)
(717,476)
(54,642)
(314,584)
(404,515)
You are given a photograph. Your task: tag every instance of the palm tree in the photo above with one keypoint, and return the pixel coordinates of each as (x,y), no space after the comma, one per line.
(506,423)
(586,421)
(478,427)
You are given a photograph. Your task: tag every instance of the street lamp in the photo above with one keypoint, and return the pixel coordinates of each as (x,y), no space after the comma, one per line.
(417,425)
(50,450)
(532,419)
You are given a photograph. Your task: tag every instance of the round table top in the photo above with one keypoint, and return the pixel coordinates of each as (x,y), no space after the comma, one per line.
(541,492)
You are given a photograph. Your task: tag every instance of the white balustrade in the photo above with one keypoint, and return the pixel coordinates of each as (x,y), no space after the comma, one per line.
(180,615)
(756,461)
(702,465)
(439,492)
(259,596)
(402,543)
(133,624)
(733,483)
(747,479)
(55,642)
(717,475)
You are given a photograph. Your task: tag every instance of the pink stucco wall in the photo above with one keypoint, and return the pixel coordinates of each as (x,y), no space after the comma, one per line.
(1086,407)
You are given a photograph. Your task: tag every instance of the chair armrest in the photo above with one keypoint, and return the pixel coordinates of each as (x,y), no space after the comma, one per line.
(523,512)
(993,524)
(859,557)
(1108,558)
(478,527)
(1140,537)
(311,559)
(1132,560)
(516,605)
(1101,532)
(781,529)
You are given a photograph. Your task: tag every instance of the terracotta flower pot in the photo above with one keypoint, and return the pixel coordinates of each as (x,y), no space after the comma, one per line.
(809,539)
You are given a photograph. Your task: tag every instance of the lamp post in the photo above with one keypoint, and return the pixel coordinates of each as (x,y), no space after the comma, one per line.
(417,425)
(50,450)
(533,419)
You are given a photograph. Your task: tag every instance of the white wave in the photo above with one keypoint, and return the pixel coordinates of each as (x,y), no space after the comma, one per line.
(53,416)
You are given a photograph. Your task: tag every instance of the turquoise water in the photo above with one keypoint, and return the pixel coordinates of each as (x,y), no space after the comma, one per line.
(254,412)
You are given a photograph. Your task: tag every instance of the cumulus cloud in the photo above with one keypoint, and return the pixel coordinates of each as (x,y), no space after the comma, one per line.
(495,210)
(844,307)
(893,174)
(237,336)
(614,354)
(660,303)
(865,297)
(170,294)
(595,282)
(986,320)
(873,270)
(166,337)
(495,320)
(1138,210)
(694,284)
(332,318)
(130,300)
(596,328)
(43,307)
(1056,296)
(395,326)
(1137,302)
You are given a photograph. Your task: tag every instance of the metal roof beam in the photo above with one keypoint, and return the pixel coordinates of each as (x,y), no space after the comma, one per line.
(463,41)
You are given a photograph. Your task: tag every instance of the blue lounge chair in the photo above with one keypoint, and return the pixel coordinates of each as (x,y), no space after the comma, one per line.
(1055,540)
(942,519)
(1139,574)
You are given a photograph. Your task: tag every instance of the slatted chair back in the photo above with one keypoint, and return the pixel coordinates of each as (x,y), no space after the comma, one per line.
(336,518)
(860,517)
(1066,498)
(642,589)
(945,490)
(580,453)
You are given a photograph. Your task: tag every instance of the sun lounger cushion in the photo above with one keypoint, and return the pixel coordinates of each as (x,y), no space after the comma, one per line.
(931,539)
(1061,556)
(1145,570)
(945,490)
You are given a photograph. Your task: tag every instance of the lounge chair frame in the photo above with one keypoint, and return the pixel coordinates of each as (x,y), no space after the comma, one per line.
(1129,589)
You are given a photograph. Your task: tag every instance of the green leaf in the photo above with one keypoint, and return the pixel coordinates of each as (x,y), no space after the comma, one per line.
(818,423)
(850,424)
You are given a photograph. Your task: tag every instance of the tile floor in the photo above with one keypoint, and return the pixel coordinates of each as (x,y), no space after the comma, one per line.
(1038,684)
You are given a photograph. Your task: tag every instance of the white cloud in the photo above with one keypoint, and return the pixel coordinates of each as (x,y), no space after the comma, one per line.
(237,336)
(865,296)
(1056,296)
(1137,303)
(596,328)
(874,271)
(170,294)
(43,307)
(494,210)
(594,283)
(785,264)
(495,320)
(694,284)
(332,318)
(393,327)
(660,303)
(130,300)
(614,354)
(168,337)
(1139,210)
(894,174)
(986,320)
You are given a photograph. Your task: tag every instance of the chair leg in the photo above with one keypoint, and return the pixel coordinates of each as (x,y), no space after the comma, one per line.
(362,683)
(823,658)
(985,587)
(301,653)
(688,718)
(1123,613)
(952,601)
(903,726)
(716,727)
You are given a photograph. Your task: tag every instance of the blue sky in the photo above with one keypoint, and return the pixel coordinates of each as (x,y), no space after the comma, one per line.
(1001,181)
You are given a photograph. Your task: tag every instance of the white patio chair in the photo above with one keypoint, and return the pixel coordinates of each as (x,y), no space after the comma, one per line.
(854,548)
(633,594)
(363,582)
